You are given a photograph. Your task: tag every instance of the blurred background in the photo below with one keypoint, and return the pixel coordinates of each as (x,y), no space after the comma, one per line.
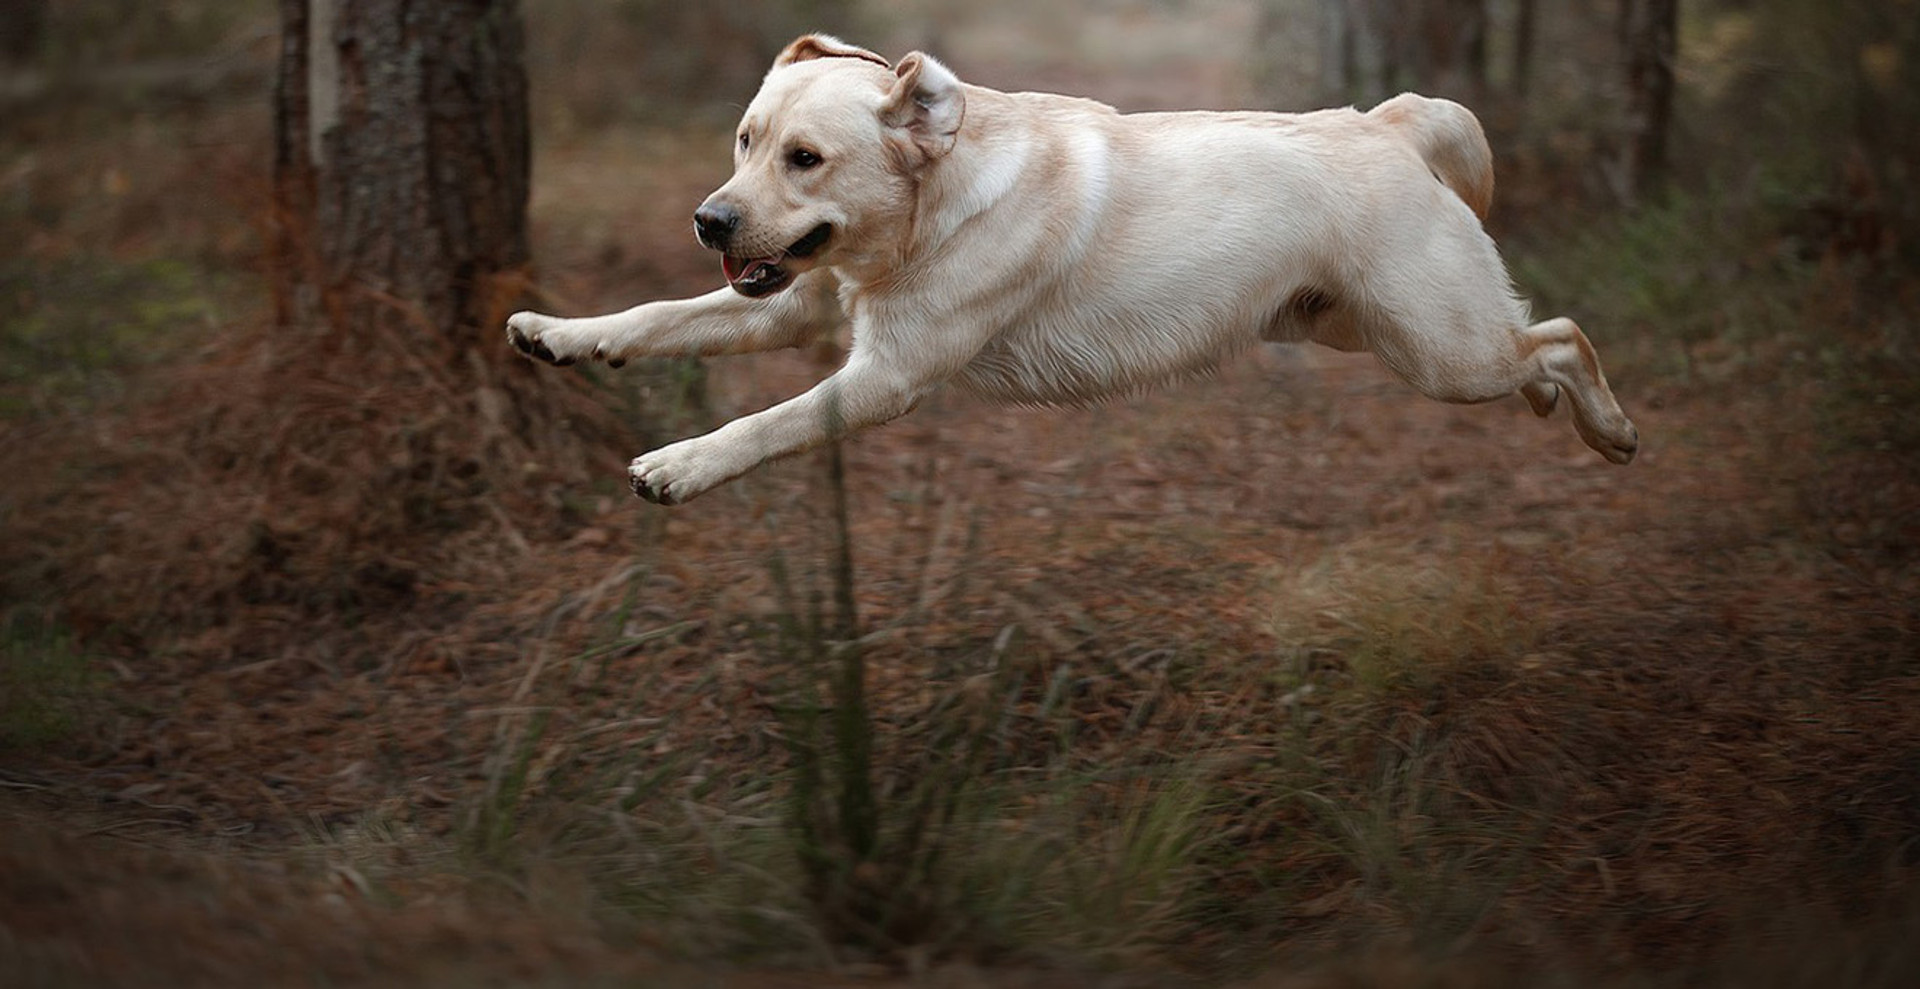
(333,649)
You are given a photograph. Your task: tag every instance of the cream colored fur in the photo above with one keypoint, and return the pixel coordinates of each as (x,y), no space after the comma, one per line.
(1044,249)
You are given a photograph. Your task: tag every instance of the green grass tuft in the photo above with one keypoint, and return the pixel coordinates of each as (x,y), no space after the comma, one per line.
(48,685)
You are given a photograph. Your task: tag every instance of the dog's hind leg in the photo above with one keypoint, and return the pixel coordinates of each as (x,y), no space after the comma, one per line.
(1562,358)
(1451,328)
(1473,363)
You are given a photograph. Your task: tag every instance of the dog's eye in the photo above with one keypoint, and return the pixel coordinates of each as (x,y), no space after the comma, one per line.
(801,158)
(743,141)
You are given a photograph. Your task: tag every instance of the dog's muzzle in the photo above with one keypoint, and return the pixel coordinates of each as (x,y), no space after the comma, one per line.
(756,277)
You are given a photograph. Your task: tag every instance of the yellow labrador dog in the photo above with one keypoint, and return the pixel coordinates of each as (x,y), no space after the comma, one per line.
(1049,250)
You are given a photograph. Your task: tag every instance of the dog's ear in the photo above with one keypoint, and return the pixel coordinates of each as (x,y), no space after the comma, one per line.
(927,102)
(811,46)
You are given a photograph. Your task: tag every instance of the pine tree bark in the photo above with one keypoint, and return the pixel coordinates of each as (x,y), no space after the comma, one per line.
(401,164)
(399,247)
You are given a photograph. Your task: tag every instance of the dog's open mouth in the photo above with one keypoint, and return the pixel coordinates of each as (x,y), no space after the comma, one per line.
(755,277)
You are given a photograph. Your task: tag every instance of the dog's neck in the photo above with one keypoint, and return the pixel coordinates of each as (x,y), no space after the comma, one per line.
(985,164)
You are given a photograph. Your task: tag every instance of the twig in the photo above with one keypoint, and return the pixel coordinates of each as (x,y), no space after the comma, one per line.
(133,822)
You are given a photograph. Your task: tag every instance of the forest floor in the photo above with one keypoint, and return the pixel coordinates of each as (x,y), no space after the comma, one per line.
(202,847)
(1425,681)
(1730,609)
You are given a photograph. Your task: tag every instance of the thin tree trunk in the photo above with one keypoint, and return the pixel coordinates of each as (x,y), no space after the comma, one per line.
(293,275)
(1376,49)
(1649,32)
(1449,48)
(23,27)
(1523,32)
(1472,46)
(1336,48)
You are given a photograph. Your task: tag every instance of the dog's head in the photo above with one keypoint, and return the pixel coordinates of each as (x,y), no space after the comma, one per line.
(825,160)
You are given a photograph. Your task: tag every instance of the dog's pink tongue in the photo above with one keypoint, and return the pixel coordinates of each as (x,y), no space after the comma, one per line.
(738,268)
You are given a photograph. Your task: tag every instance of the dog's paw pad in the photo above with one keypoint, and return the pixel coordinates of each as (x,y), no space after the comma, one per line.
(646,491)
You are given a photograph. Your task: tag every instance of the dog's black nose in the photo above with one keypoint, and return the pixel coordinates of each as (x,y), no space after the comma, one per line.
(714,224)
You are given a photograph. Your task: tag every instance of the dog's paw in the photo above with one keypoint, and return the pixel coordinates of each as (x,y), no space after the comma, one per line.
(1621,447)
(527,333)
(1615,438)
(678,473)
(544,338)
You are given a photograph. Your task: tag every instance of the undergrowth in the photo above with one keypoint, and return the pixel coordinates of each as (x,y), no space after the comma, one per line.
(80,329)
(49,689)
(1400,624)
(980,824)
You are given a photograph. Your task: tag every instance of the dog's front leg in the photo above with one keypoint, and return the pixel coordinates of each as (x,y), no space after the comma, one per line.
(720,322)
(866,392)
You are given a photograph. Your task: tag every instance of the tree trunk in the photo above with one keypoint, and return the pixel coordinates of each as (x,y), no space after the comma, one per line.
(398,248)
(1449,51)
(1336,49)
(1377,49)
(401,165)
(293,274)
(1523,32)
(23,26)
(1649,32)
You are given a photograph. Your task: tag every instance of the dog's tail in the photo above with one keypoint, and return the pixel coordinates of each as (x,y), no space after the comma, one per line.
(1450,141)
